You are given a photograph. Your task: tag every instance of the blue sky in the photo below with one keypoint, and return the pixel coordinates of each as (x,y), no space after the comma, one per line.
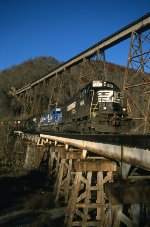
(63,28)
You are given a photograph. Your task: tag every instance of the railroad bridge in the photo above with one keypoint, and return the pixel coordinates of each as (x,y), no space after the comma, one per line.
(103,179)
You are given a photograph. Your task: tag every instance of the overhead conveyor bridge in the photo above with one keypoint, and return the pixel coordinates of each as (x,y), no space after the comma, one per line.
(140,25)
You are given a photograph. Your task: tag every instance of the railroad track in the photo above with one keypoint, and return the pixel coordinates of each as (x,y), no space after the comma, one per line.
(130,149)
(135,141)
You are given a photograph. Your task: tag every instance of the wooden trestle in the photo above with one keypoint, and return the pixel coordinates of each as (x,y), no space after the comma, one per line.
(81,183)
(89,185)
(65,176)
(86,186)
(88,204)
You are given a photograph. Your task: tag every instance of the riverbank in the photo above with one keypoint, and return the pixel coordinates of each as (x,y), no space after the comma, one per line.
(27,200)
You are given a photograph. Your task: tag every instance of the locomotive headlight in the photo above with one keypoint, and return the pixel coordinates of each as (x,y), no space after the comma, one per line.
(124,109)
(104,108)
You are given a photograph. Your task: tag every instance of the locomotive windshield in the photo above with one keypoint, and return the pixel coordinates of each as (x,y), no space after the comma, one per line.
(104,84)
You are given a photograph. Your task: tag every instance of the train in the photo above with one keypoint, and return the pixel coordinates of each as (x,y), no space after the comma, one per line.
(52,119)
(96,108)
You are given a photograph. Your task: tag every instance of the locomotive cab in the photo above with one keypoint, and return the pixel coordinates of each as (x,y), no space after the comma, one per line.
(107,102)
(107,96)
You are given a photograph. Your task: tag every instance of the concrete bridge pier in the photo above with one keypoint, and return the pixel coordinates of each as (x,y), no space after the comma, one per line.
(34,155)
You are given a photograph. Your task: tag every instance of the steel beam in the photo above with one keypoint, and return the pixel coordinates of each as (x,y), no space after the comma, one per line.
(128,194)
(140,25)
(134,156)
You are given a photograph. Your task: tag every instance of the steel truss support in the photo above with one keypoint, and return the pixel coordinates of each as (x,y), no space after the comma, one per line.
(99,65)
(94,68)
(136,86)
(65,90)
(40,100)
(26,100)
(55,87)
(32,100)
(36,101)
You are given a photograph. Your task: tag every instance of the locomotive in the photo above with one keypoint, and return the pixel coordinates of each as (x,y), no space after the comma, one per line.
(98,108)
(51,119)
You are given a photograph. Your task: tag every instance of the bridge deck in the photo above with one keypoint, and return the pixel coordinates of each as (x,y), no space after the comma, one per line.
(127,154)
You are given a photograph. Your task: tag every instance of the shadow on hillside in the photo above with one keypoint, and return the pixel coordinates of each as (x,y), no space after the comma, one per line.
(27,200)
(14,188)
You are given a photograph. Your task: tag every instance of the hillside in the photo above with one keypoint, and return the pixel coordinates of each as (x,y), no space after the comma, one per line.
(58,90)
(21,75)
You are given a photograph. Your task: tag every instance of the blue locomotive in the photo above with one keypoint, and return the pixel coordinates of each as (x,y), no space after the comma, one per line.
(51,119)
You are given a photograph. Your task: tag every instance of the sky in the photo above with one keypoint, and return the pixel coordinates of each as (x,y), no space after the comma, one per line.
(63,28)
